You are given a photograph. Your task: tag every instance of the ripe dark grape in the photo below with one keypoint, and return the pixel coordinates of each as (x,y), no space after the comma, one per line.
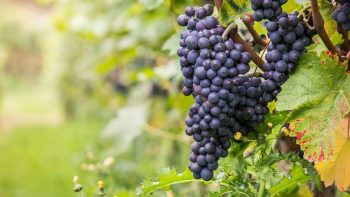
(342,14)
(191,42)
(266,9)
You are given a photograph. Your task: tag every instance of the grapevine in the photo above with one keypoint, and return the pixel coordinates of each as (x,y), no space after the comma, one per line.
(230,101)
(214,71)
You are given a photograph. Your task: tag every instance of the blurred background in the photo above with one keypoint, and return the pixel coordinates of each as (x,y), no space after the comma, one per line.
(90,89)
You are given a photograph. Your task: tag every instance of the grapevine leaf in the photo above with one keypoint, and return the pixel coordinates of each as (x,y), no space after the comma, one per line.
(320,47)
(291,6)
(260,29)
(309,170)
(151,4)
(273,158)
(119,132)
(276,119)
(338,170)
(326,9)
(313,123)
(315,78)
(319,92)
(232,10)
(317,46)
(302,1)
(288,185)
(337,38)
(221,192)
(165,181)
(171,44)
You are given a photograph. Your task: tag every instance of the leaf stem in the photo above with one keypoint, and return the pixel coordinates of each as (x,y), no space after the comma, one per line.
(257,38)
(261,188)
(255,74)
(218,4)
(164,134)
(228,30)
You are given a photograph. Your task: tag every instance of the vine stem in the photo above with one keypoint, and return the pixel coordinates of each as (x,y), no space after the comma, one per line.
(164,134)
(318,26)
(218,4)
(231,31)
(261,189)
(257,38)
(255,74)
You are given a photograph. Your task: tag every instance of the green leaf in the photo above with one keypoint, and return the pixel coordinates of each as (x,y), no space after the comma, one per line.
(291,6)
(165,181)
(128,124)
(275,118)
(314,78)
(302,1)
(151,4)
(232,10)
(326,9)
(221,192)
(317,46)
(171,44)
(314,124)
(260,29)
(273,158)
(289,185)
(319,92)
(337,38)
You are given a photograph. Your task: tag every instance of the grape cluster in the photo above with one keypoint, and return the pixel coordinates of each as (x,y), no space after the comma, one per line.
(267,9)
(214,74)
(227,100)
(288,39)
(342,14)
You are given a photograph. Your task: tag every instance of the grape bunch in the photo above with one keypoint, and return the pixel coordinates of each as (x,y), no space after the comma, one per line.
(227,100)
(288,39)
(342,14)
(214,72)
(267,9)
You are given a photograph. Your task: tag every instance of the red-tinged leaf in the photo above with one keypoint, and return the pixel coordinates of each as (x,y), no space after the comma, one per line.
(337,170)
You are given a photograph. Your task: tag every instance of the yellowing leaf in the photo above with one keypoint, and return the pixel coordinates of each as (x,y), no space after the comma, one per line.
(319,95)
(338,170)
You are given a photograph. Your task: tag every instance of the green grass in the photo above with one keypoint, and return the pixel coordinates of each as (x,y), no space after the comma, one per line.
(42,160)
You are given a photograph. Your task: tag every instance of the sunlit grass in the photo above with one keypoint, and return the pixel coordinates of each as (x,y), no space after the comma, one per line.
(41,160)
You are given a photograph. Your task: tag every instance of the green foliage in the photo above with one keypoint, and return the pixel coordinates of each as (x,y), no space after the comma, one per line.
(165,181)
(322,100)
(292,5)
(315,79)
(326,9)
(115,130)
(171,44)
(232,10)
(314,100)
(119,56)
(288,185)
